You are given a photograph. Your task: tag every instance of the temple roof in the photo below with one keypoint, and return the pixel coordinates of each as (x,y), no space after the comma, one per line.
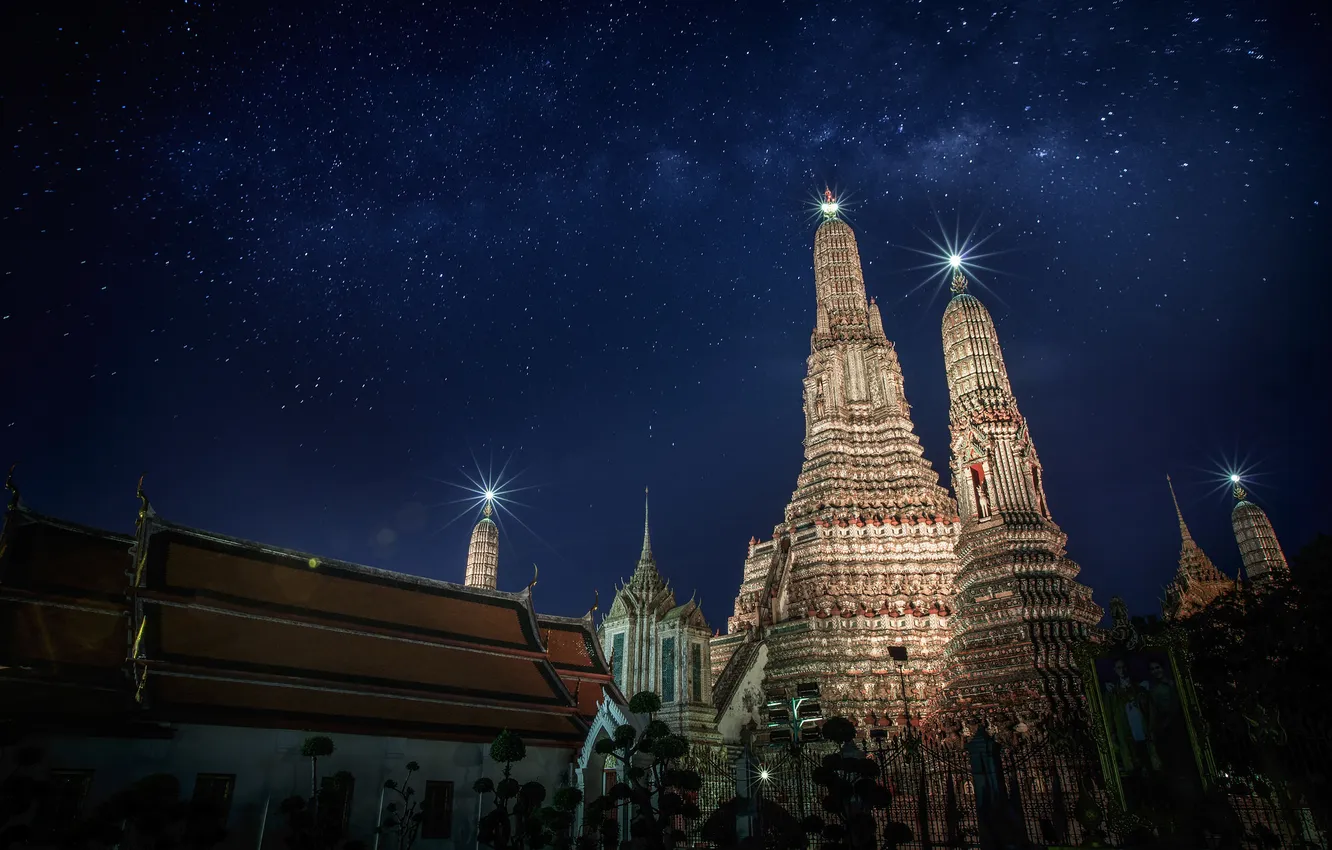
(236,632)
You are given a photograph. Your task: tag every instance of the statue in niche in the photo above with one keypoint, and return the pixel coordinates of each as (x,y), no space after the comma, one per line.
(1040,490)
(820,406)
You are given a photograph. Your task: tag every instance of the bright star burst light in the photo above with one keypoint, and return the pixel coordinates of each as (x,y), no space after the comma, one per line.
(488,487)
(827,203)
(1227,472)
(952,254)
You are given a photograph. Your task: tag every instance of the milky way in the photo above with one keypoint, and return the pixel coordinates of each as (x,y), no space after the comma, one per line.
(307,267)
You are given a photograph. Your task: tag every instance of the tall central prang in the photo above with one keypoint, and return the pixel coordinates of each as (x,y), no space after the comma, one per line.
(864,561)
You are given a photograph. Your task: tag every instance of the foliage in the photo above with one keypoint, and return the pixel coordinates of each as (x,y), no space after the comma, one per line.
(507,748)
(314,748)
(1264,677)
(314,824)
(657,789)
(19,792)
(402,820)
(149,815)
(518,820)
(317,746)
(851,794)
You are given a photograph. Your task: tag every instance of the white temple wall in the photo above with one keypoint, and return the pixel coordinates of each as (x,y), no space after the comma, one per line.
(268,767)
(747,702)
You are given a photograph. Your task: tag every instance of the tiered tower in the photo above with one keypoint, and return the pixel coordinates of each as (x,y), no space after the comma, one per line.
(864,560)
(1020,609)
(1197,581)
(483,553)
(1259,548)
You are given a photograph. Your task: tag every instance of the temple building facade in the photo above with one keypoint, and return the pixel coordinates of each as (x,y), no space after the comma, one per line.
(655,645)
(211,659)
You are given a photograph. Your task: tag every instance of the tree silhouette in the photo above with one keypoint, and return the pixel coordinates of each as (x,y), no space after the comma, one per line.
(656,786)
(402,820)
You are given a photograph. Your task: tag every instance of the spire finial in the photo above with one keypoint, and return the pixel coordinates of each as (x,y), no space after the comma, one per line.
(959,282)
(485,512)
(1238,489)
(12,488)
(1183,529)
(829,205)
(646,556)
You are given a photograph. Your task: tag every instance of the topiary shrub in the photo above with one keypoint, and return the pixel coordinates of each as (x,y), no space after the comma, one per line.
(656,787)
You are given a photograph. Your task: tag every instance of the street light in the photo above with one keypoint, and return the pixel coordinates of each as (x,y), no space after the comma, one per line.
(795,721)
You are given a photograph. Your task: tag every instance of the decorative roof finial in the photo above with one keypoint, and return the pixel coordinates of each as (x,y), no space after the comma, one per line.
(485,512)
(646,556)
(531,584)
(959,282)
(12,488)
(1238,489)
(1183,529)
(144,507)
(829,206)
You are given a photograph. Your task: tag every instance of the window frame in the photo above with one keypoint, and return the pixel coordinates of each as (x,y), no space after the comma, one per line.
(430,828)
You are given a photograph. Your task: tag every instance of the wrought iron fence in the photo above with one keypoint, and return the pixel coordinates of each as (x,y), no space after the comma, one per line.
(715,767)
(932,791)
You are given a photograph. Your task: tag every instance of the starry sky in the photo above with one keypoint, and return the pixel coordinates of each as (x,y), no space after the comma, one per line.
(312,267)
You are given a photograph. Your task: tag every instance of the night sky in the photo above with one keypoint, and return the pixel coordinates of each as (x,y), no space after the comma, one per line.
(310,268)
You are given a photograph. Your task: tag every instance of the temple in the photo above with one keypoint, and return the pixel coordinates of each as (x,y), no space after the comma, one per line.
(1259,548)
(656,645)
(205,655)
(1197,581)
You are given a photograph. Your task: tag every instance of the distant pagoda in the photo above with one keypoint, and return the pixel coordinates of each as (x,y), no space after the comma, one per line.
(1259,548)
(1197,581)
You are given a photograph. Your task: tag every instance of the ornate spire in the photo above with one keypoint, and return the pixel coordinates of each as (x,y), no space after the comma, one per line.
(1183,529)
(1010,549)
(1197,580)
(483,553)
(646,556)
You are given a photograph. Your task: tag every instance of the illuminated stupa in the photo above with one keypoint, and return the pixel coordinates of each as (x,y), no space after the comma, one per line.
(863,562)
(1020,608)
(483,553)
(1259,548)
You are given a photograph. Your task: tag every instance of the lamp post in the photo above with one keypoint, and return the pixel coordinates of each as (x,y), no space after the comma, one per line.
(794,723)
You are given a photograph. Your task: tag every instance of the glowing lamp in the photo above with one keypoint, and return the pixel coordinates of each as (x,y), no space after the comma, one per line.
(954,260)
(1234,479)
(490,495)
(829,207)
(764,775)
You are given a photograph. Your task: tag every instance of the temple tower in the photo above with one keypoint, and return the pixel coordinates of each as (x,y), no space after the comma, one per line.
(1259,548)
(863,562)
(1197,581)
(483,553)
(1019,608)
(655,645)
